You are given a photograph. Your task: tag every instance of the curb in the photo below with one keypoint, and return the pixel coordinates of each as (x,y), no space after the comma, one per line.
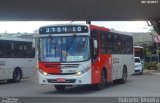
(156,73)
(152,71)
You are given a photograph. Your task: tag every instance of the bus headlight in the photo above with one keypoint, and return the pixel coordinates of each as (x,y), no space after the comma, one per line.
(79,73)
(44,73)
(37,66)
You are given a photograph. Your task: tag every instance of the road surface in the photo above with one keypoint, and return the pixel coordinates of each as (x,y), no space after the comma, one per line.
(137,85)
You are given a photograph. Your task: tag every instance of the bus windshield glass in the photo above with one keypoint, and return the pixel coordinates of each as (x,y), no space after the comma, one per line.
(64,49)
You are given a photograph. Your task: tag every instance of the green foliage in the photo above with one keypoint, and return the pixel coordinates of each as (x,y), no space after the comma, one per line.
(151,65)
(147,52)
(158,66)
(146,65)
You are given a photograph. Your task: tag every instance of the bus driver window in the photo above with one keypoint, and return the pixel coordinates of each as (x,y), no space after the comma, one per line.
(94,44)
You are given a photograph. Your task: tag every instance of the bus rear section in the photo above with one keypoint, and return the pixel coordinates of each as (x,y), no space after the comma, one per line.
(139,64)
(83,54)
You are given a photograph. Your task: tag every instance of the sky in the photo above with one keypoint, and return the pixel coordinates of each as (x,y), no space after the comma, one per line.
(30,26)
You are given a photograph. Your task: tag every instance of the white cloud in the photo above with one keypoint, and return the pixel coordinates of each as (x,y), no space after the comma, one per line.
(30,26)
(130,26)
(24,26)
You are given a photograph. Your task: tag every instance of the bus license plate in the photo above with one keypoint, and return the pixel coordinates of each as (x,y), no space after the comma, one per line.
(60,79)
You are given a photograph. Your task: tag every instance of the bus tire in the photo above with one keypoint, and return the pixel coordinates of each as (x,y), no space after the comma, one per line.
(123,80)
(116,81)
(17,75)
(60,87)
(103,82)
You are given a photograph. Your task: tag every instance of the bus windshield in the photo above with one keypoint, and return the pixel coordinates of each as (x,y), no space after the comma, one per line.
(64,49)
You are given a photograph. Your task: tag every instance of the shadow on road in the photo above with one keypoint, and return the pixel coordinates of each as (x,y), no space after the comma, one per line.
(82,89)
(4,82)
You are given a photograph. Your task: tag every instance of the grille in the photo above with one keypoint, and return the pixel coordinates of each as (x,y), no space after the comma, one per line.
(62,66)
(62,73)
(137,70)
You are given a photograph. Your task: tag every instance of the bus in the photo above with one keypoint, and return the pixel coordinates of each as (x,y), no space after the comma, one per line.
(17,58)
(83,54)
(139,52)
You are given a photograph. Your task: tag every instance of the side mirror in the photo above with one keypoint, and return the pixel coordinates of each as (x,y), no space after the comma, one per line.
(95,44)
(36,42)
(33,43)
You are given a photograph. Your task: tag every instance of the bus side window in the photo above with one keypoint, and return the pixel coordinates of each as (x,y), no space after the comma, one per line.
(122,44)
(129,44)
(115,44)
(109,41)
(94,45)
(103,42)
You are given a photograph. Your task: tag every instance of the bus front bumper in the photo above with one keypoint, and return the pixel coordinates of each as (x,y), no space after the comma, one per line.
(65,79)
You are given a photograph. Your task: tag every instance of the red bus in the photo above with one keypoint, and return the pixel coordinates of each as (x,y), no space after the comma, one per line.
(82,54)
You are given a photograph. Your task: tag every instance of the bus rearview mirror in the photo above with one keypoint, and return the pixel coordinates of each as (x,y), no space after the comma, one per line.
(95,44)
(33,43)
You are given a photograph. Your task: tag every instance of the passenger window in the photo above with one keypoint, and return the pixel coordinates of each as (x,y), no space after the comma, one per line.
(103,43)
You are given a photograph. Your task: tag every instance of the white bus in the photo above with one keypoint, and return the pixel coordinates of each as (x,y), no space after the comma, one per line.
(17,58)
(75,54)
(139,64)
(139,52)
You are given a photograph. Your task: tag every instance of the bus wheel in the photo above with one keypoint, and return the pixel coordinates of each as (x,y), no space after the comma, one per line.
(17,75)
(124,76)
(60,87)
(103,80)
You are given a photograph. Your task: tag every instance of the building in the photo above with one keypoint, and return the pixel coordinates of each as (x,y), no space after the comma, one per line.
(20,35)
(144,39)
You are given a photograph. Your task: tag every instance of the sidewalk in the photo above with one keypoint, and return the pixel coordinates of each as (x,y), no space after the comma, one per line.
(152,71)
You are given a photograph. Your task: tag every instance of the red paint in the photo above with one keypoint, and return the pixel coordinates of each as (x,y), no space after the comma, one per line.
(104,60)
(99,65)
(94,27)
(50,67)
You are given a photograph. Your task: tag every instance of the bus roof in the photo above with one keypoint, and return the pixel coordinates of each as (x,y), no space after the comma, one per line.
(99,27)
(111,30)
(121,32)
(12,38)
(138,47)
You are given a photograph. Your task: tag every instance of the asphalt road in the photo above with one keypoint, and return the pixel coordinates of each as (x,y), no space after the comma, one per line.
(137,85)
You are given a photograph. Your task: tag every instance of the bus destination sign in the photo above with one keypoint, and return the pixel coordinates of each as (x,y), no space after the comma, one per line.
(63,29)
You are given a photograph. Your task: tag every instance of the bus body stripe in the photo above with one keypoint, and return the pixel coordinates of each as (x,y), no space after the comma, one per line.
(50,67)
